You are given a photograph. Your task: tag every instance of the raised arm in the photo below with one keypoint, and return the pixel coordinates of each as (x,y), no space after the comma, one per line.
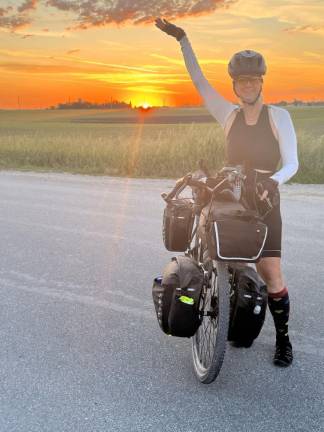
(218,106)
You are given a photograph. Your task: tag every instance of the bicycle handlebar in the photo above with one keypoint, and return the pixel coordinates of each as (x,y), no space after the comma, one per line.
(180,185)
(230,174)
(227,173)
(187,180)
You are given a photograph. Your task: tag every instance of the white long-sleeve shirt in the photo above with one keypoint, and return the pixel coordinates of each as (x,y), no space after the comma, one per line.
(224,111)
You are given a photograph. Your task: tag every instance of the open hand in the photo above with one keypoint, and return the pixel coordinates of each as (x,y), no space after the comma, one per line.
(169,28)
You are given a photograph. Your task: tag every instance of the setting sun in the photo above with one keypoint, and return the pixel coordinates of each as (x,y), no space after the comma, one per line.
(47,55)
(145,103)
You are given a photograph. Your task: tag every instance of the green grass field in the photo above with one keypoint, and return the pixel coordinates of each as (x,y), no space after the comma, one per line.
(164,143)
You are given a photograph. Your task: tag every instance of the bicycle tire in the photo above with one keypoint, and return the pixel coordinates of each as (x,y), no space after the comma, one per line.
(216,302)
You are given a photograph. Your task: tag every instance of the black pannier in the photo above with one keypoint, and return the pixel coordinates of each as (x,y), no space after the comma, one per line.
(234,233)
(248,306)
(176,297)
(178,220)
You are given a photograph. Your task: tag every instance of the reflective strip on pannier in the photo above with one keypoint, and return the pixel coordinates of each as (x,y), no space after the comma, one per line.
(236,239)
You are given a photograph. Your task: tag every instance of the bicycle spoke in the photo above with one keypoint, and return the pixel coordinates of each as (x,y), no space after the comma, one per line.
(209,343)
(208,340)
(204,339)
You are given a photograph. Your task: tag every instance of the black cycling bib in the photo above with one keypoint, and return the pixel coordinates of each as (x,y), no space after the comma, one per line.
(253,146)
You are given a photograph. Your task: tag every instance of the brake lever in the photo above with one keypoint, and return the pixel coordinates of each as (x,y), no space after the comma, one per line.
(180,184)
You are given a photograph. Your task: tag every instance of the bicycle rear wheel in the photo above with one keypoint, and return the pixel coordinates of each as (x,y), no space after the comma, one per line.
(209,342)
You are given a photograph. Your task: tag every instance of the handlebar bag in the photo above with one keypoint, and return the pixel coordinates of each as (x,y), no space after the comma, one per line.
(248,306)
(178,220)
(235,234)
(176,297)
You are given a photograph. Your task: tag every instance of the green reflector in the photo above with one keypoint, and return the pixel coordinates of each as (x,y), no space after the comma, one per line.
(187,300)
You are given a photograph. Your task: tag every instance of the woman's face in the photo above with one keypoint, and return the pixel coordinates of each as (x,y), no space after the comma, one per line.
(248,87)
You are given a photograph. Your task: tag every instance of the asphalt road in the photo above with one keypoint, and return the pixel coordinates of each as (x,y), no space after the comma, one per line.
(80,348)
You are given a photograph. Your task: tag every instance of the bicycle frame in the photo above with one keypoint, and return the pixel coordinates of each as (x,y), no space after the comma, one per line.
(209,342)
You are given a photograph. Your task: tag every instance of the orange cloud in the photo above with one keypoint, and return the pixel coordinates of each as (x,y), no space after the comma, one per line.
(111,65)
(150,90)
(16,18)
(27,5)
(97,13)
(181,62)
(73,51)
(40,68)
(306,29)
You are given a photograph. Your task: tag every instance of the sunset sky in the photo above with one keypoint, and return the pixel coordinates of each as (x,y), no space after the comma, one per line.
(55,50)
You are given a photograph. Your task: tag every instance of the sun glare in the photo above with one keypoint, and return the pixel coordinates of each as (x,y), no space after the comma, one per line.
(146,105)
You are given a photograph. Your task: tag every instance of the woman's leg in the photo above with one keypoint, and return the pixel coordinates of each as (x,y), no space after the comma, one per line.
(269,269)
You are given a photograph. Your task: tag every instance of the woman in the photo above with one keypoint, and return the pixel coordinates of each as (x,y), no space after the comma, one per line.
(258,136)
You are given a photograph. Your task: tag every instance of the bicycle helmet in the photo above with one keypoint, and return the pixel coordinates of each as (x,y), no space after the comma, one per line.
(246,62)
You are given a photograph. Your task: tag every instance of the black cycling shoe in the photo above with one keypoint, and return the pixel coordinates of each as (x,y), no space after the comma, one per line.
(283,356)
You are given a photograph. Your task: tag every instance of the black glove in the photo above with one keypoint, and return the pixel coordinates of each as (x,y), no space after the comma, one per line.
(169,28)
(272,187)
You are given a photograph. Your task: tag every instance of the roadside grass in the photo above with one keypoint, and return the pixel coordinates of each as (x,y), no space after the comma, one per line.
(60,141)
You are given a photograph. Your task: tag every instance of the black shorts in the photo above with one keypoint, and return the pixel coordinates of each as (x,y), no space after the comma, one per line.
(272,246)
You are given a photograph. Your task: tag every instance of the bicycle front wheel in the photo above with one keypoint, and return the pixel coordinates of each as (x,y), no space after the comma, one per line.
(209,342)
